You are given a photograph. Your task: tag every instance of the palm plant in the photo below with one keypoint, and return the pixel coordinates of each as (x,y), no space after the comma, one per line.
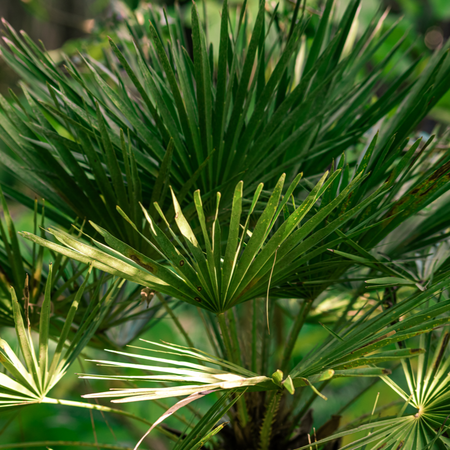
(262,187)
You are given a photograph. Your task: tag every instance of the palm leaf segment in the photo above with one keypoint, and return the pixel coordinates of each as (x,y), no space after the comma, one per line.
(217,280)
(30,383)
(192,378)
(428,391)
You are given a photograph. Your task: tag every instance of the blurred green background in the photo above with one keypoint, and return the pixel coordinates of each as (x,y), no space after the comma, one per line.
(72,25)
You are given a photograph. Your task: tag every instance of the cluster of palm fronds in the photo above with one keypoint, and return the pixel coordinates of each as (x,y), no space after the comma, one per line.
(269,183)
